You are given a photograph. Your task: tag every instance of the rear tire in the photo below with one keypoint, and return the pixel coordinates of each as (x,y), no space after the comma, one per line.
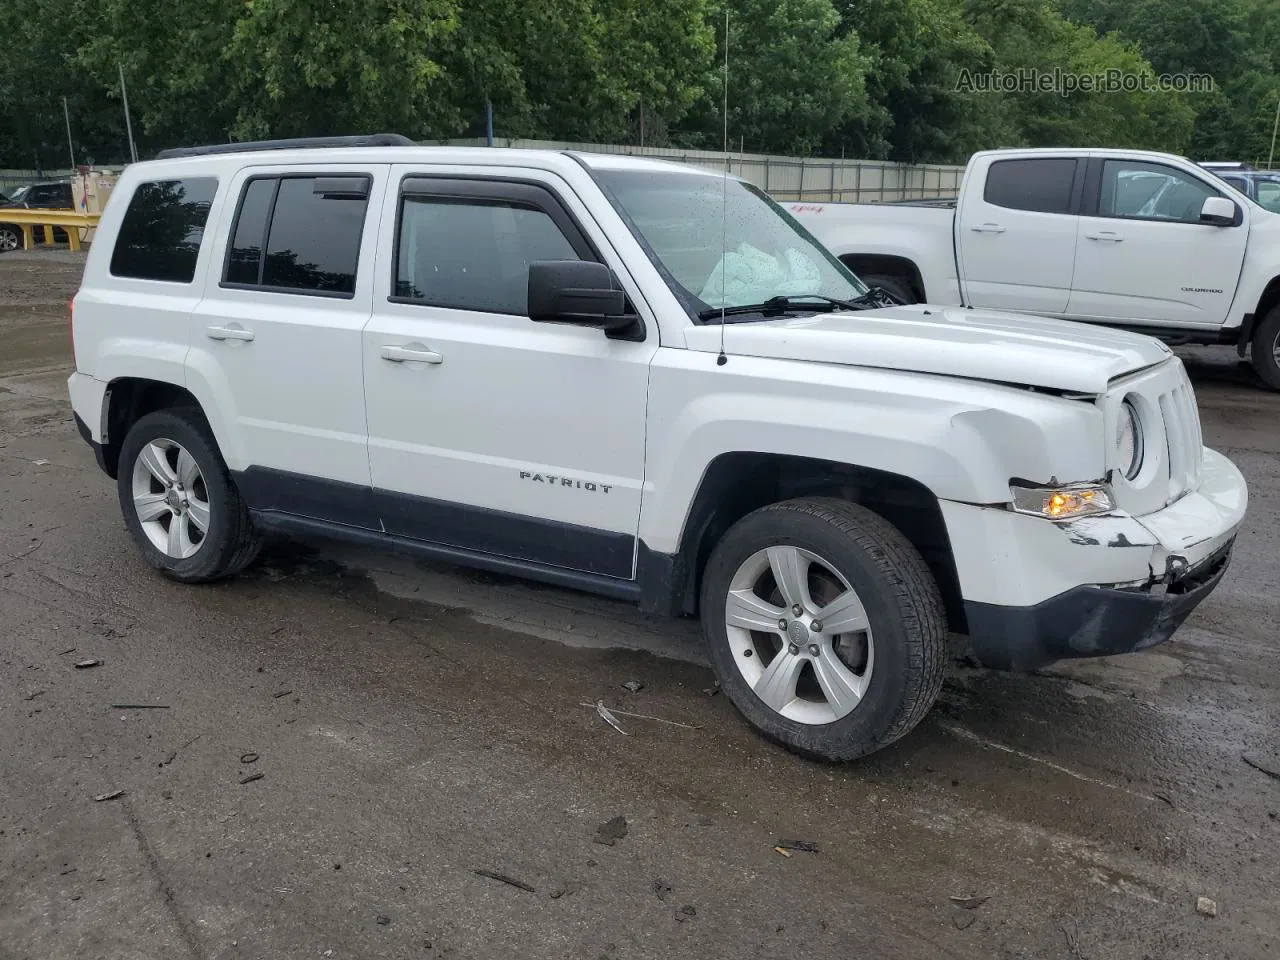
(1265,349)
(846,692)
(178,499)
(900,287)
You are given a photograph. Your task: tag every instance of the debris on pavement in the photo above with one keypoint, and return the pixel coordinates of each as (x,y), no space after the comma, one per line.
(687,912)
(800,846)
(662,888)
(1165,797)
(86,664)
(38,693)
(783,850)
(712,690)
(1260,767)
(639,716)
(251,778)
(108,796)
(40,463)
(503,878)
(969,903)
(566,889)
(248,758)
(67,651)
(281,693)
(608,717)
(1206,907)
(633,686)
(139,706)
(382,921)
(611,831)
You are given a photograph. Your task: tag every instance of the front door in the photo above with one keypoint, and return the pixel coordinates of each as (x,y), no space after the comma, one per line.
(489,432)
(1142,255)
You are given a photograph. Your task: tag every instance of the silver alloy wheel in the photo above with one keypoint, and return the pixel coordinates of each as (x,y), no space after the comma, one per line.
(1275,348)
(9,240)
(170,498)
(799,634)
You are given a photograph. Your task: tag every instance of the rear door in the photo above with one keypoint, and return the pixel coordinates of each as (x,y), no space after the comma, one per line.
(1142,255)
(1016,233)
(276,339)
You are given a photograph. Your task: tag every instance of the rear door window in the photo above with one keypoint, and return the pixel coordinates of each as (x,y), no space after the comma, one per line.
(162,229)
(1038,184)
(299,234)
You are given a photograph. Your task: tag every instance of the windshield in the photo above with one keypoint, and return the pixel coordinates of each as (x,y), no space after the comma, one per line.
(720,242)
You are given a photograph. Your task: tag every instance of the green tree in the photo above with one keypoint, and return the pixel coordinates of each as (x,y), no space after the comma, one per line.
(916,50)
(316,67)
(793,78)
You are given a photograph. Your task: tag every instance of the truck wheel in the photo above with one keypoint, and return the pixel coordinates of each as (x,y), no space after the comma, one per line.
(178,499)
(1265,350)
(898,286)
(825,627)
(10,238)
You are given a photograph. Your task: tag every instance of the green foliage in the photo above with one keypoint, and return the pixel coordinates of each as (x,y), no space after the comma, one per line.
(872,78)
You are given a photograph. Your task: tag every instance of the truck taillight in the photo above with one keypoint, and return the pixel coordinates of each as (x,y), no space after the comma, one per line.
(71,327)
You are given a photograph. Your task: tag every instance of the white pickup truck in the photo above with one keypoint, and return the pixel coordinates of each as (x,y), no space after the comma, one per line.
(1126,238)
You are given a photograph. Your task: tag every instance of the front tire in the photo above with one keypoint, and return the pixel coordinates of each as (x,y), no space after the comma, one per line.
(10,238)
(824,626)
(179,501)
(898,286)
(1265,349)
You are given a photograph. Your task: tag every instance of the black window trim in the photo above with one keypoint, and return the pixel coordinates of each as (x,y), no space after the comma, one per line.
(195,270)
(497,190)
(266,234)
(1073,196)
(1093,202)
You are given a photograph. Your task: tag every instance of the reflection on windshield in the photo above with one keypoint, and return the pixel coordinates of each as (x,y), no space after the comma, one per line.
(723,243)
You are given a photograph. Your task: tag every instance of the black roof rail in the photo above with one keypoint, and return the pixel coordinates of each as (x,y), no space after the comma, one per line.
(295,143)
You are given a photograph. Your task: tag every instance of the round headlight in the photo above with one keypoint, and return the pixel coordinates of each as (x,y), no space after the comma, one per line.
(1129,440)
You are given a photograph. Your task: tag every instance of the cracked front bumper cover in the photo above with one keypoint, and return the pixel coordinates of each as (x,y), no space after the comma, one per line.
(1091,621)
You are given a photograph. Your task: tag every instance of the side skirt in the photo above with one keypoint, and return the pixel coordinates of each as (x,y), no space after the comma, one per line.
(277,522)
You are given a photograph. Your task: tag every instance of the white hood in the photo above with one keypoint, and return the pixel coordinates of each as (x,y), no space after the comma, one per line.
(950,341)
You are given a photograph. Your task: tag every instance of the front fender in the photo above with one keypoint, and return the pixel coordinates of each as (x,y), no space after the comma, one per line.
(962,440)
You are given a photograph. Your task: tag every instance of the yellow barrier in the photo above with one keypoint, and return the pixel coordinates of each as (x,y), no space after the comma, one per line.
(28,220)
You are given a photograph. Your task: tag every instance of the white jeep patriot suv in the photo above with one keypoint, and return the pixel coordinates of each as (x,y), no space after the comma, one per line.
(642,380)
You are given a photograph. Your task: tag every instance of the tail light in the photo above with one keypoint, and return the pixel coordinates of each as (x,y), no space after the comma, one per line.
(71,327)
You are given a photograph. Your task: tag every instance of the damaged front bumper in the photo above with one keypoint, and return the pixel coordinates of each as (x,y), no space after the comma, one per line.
(1092,621)
(1106,585)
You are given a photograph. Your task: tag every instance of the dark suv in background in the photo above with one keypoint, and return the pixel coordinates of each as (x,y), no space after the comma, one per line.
(54,195)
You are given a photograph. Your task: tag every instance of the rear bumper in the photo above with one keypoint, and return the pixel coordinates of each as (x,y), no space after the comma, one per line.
(1091,621)
(87,436)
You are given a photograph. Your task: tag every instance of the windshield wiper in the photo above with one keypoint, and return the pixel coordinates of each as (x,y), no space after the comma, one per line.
(804,301)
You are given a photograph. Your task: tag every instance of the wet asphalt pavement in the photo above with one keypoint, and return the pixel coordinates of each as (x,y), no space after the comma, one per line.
(410,725)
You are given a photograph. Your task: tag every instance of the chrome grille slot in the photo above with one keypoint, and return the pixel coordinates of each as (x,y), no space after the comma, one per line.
(1178,411)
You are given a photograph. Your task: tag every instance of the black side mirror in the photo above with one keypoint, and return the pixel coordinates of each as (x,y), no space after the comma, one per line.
(579,292)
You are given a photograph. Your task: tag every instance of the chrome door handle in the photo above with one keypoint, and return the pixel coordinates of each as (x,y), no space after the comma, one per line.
(233,332)
(987,228)
(1109,235)
(412,352)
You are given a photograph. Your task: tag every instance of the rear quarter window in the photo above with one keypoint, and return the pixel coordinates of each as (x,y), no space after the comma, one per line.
(162,229)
